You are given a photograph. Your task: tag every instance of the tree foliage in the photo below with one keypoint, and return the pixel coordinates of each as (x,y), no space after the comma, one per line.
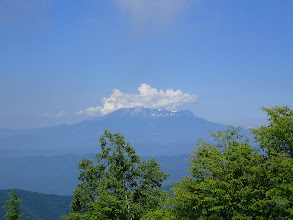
(118,185)
(231,180)
(278,135)
(12,207)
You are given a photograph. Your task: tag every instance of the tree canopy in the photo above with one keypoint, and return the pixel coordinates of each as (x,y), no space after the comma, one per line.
(118,185)
(231,180)
(278,135)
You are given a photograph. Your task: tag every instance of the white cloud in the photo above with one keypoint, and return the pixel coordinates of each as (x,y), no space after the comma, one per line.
(152,12)
(148,97)
(58,115)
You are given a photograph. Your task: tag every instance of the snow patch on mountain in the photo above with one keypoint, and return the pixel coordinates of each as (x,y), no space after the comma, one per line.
(141,112)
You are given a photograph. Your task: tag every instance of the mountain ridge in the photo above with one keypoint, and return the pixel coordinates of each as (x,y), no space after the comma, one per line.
(153,132)
(140,111)
(38,206)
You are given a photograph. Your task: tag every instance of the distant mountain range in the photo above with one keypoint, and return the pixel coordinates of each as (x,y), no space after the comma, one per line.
(152,132)
(59,175)
(44,159)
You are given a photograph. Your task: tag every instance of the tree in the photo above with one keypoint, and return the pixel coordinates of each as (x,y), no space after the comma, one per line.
(12,207)
(231,180)
(278,135)
(119,185)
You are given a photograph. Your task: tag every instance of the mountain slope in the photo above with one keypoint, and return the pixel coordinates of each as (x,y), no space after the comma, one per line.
(151,131)
(38,206)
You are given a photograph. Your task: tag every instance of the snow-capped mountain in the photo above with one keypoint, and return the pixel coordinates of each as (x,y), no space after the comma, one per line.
(151,131)
(140,112)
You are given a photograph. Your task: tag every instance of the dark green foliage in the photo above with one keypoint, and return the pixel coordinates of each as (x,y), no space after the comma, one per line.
(119,185)
(38,206)
(12,207)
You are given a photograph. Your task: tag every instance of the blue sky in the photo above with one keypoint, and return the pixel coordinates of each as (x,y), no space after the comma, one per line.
(59,59)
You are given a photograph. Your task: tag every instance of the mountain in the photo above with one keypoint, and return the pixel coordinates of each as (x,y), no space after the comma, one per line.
(152,132)
(43,174)
(44,159)
(59,175)
(38,206)
(142,113)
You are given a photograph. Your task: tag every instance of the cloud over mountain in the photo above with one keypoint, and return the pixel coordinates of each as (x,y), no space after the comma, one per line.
(148,97)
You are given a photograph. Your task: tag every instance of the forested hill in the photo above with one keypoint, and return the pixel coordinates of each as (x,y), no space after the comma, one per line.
(38,206)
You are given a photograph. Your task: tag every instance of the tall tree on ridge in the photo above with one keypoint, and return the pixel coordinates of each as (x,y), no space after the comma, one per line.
(12,207)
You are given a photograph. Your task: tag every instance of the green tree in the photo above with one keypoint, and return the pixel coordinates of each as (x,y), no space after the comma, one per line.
(118,185)
(231,180)
(278,135)
(12,207)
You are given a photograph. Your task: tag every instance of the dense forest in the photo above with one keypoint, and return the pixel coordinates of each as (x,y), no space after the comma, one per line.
(229,179)
(38,206)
